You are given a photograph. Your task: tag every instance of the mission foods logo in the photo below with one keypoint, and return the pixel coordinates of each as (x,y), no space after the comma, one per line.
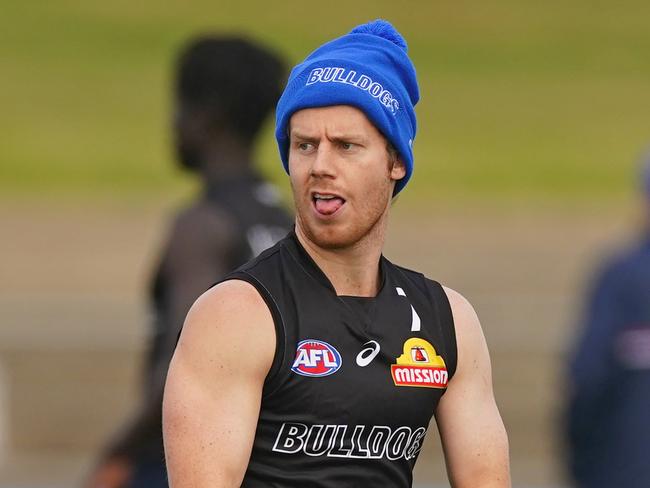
(419,365)
(316,358)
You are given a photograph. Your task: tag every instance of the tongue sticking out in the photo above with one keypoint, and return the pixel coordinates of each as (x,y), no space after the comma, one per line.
(328,207)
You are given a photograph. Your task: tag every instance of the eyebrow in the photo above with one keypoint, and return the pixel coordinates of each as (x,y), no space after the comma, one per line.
(353,137)
(297,135)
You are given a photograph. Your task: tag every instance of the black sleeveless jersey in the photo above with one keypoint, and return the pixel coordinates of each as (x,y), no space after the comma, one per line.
(355,380)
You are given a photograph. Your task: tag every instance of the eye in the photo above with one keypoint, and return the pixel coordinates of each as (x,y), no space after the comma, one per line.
(305,146)
(347,146)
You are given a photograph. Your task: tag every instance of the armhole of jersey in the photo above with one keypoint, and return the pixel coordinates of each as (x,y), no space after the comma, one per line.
(446,323)
(272,376)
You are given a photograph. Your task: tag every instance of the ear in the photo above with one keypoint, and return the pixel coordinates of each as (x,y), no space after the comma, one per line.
(398,171)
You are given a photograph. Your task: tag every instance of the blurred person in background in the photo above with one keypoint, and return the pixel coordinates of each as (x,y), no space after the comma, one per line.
(608,416)
(225,88)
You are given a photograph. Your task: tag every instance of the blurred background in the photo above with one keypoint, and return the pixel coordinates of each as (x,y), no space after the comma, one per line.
(531,120)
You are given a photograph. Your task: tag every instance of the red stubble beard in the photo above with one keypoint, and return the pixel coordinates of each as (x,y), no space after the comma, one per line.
(361,218)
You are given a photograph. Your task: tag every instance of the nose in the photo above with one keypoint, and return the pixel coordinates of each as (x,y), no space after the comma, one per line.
(324,164)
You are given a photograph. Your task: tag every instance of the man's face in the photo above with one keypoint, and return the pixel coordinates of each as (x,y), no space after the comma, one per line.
(341,174)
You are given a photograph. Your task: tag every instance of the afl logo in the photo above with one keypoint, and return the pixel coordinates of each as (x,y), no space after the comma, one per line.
(316,358)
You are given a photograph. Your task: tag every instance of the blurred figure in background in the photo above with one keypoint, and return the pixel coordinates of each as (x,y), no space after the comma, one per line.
(224,90)
(609,409)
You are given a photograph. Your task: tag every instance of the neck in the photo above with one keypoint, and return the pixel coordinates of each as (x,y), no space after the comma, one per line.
(352,270)
(224,158)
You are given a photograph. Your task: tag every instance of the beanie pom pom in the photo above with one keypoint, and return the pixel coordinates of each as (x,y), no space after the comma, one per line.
(382,28)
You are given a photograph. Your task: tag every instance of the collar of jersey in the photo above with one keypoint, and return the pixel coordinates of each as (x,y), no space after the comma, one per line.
(311,268)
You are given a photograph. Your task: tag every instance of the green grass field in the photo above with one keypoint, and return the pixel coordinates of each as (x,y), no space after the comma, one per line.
(520,99)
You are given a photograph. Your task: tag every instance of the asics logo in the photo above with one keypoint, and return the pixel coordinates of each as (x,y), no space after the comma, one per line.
(367,354)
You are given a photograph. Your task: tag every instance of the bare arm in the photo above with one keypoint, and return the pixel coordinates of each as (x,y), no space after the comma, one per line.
(473,436)
(214,387)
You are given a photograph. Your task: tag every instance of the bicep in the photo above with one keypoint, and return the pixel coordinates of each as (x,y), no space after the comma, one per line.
(471,429)
(214,388)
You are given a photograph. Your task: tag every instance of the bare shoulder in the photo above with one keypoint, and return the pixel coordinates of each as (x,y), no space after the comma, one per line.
(229,321)
(471,344)
(229,299)
(465,319)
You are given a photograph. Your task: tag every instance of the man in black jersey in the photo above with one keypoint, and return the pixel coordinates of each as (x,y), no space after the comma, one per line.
(225,88)
(336,359)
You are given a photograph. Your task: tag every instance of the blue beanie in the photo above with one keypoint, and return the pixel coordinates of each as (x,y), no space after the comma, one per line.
(368,69)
